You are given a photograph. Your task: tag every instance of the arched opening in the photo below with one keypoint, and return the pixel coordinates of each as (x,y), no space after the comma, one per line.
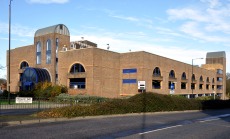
(77,82)
(32,76)
(24,65)
(48,51)
(193,83)
(207,83)
(201,82)
(183,80)
(38,53)
(156,82)
(172,78)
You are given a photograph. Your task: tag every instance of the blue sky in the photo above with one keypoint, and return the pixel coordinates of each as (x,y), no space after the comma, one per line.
(178,29)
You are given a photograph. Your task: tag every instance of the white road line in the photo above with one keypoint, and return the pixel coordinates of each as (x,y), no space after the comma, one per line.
(160,129)
(213,118)
(208,120)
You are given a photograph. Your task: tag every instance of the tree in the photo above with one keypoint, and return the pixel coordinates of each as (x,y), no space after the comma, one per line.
(228,84)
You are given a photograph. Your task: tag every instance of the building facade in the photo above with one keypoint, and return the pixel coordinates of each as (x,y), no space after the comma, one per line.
(86,69)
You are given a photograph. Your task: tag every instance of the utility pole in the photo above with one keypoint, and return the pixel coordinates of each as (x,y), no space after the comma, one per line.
(9,52)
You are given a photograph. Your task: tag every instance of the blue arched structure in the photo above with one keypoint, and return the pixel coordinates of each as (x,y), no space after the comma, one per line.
(32,76)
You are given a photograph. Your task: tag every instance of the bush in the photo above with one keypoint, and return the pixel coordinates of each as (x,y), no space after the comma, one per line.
(44,90)
(145,102)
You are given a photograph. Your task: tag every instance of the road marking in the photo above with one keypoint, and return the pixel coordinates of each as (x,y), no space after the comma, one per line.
(160,129)
(211,119)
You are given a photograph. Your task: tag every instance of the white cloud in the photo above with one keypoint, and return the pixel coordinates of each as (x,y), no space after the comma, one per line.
(187,14)
(210,24)
(212,3)
(48,1)
(123,46)
(16,29)
(192,28)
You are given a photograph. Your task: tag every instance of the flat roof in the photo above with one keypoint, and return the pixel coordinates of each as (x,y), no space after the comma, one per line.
(220,54)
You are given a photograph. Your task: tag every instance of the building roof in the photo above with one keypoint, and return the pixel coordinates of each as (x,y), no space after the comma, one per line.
(216,54)
(59,28)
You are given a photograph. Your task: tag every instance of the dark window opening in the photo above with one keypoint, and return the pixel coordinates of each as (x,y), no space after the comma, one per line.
(172,74)
(183,85)
(183,77)
(201,78)
(219,87)
(24,65)
(156,84)
(61,27)
(207,80)
(207,86)
(77,83)
(171,85)
(213,87)
(193,85)
(77,68)
(156,72)
(200,86)
(193,77)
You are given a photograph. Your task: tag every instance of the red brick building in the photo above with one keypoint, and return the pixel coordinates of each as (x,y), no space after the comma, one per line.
(86,69)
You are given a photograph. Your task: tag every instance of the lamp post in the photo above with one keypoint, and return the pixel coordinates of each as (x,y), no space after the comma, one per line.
(192,73)
(9,52)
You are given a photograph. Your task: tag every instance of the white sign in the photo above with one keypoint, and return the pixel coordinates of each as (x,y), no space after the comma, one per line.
(172,92)
(141,85)
(24,99)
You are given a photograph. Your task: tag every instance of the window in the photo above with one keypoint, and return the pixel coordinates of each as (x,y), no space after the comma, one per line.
(77,68)
(156,84)
(183,85)
(183,76)
(156,72)
(207,80)
(201,78)
(172,74)
(57,45)
(24,65)
(48,51)
(38,53)
(134,70)
(219,79)
(193,77)
(219,71)
(171,85)
(77,83)
(129,81)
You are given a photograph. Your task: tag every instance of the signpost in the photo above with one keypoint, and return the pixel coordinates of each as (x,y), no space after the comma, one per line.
(141,86)
(24,99)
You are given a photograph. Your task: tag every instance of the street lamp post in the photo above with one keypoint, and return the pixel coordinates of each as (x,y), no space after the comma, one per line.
(9,52)
(192,74)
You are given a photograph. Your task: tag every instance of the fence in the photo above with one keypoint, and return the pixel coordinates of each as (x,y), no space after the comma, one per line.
(37,103)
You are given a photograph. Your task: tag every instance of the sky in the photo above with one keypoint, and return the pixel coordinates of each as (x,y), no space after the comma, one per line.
(178,29)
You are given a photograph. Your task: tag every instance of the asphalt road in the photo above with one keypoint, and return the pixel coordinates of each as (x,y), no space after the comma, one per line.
(175,125)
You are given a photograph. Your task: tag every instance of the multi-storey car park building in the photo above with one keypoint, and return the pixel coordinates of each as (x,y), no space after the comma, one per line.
(86,69)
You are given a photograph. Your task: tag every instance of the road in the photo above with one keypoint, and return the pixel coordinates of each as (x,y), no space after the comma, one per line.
(188,125)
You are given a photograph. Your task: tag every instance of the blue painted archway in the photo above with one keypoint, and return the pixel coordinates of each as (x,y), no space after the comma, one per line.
(32,76)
